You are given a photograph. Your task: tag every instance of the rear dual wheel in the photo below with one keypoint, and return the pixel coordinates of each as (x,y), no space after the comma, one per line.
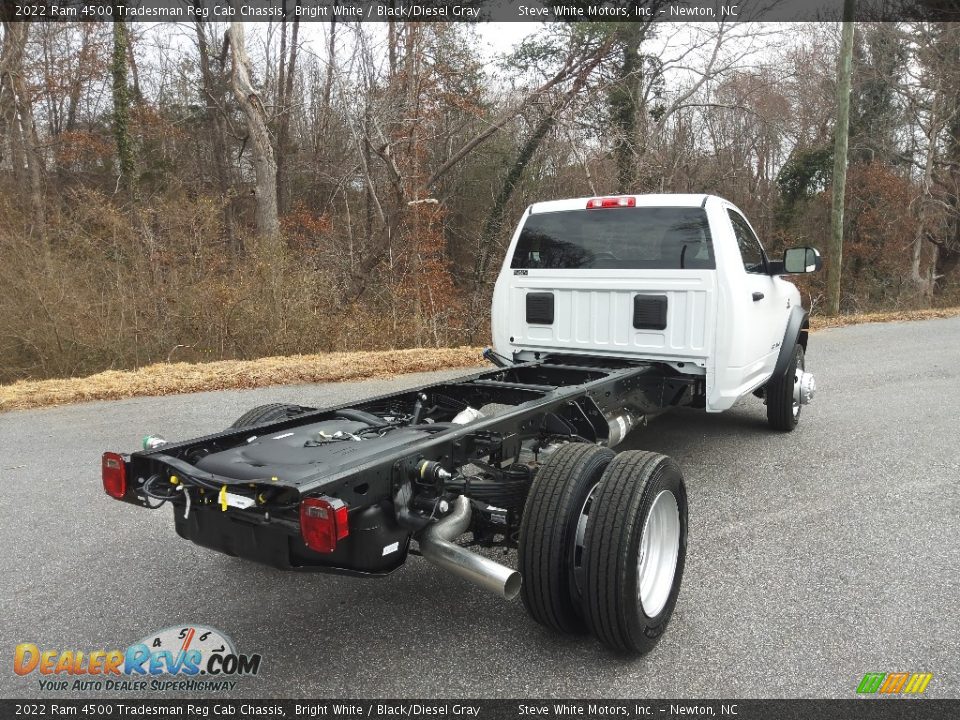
(603,543)
(636,543)
(555,516)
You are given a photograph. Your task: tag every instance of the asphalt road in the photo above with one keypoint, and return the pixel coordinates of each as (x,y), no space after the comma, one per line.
(814,557)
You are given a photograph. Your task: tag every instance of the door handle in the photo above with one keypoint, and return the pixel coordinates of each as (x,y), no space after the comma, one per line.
(757,296)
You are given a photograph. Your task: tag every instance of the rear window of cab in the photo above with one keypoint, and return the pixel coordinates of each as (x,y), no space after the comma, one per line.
(630,238)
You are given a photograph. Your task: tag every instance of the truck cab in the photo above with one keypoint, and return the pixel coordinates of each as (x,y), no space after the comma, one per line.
(681,280)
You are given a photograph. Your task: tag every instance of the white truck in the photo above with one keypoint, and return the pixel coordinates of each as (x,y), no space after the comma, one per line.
(676,279)
(607,312)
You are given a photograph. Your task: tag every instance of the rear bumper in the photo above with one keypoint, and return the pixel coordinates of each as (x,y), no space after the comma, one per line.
(376,546)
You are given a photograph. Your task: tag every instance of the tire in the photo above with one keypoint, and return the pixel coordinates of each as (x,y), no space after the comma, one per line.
(783,411)
(547,553)
(641,498)
(271,412)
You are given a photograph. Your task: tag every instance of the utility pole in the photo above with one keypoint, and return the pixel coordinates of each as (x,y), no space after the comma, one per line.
(840,159)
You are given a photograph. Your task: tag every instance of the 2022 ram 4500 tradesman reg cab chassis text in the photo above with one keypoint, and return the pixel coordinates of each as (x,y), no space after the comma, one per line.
(607,312)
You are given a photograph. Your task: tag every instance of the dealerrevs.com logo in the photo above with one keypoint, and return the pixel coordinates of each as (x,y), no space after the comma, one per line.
(181,658)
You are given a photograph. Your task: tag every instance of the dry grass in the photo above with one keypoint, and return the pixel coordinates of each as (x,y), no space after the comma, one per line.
(176,378)
(820,322)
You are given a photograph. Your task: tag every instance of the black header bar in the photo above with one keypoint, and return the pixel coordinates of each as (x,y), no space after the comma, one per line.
(478,10)
(226,708)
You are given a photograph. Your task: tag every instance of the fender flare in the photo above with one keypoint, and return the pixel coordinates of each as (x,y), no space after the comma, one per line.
(797,327)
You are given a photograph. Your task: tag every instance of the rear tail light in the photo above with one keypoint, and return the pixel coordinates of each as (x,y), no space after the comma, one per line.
(611,202)
(323,521)
(114,475)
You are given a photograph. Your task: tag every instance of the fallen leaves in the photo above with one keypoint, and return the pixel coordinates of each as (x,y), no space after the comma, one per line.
(177,378)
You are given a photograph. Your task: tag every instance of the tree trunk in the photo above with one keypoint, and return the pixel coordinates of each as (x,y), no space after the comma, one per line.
(121,110)
(76,83)
(283,112)
(919,278)
(17,107)
(331,63)
(212,94)
(264,163)
(946,263)
(392,44)
(134,72)
(624,106)
(11,62)
(947,259)
(581,70)
(494,224)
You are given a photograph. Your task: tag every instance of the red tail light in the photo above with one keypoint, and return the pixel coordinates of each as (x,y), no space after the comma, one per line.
(611,202)
(114,475)
(323,521)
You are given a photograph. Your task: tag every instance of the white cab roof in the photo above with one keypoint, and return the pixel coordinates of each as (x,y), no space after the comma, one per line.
(662,200)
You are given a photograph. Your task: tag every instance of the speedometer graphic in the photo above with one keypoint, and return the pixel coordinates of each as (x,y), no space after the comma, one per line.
(181,639)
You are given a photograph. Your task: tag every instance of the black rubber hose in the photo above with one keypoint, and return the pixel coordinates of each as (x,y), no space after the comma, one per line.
(361,416)
(147,489)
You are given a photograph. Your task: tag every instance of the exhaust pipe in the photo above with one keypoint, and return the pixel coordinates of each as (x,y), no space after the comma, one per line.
(436,547)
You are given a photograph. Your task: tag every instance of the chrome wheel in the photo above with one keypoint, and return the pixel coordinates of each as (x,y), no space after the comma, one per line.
(658,552)
(797,384)
(798,378)
(636,545)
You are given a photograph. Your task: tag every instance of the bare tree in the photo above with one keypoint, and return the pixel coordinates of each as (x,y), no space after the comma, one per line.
(288,66)
(18,104)
(212,95)
(264,163)
(121,110)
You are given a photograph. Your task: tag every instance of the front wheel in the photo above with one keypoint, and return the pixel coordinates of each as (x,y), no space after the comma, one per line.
(272,412)
(783,397)
(636,550)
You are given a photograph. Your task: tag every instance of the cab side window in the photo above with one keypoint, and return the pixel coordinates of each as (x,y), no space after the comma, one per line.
(751,252)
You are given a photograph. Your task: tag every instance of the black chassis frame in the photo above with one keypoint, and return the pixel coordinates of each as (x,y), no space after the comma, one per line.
(555,396)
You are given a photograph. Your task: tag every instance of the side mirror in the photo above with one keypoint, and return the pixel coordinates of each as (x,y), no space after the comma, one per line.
(801,260)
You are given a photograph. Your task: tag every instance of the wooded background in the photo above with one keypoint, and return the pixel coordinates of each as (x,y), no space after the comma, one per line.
(227,191)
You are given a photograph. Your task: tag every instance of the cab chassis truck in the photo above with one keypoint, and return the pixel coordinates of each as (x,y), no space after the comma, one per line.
(607,312)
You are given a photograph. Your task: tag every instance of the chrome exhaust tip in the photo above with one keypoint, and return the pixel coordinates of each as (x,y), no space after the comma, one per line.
(436,546)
